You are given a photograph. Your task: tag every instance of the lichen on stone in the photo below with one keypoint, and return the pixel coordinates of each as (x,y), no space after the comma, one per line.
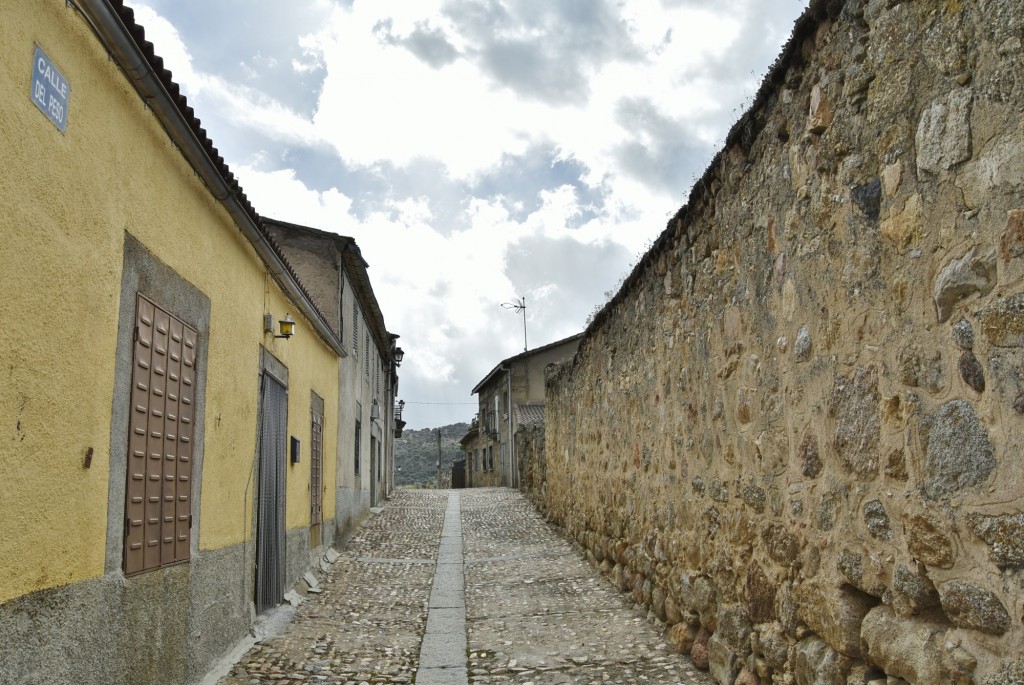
(928,541)
(1004,535)
(877,520)
(959,453)
(971,371)
(970,606)
(1002,322)
(963,334)
(855,405)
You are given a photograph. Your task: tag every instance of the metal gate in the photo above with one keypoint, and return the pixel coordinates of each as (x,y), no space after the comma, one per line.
(270,511)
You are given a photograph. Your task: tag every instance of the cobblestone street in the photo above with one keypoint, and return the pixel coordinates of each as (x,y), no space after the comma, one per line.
(464,586)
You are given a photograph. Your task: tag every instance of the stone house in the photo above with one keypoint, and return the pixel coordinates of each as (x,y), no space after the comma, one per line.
(177,390)
(510,396)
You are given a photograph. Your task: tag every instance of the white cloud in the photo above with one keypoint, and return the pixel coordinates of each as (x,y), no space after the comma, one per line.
(169,46)
(381,102)
(407,90)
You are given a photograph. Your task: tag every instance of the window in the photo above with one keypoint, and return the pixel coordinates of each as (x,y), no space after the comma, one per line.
(158,499)
(491,453)
(359,431)
(355,327)
(373,457)
(316,468)
(341,308)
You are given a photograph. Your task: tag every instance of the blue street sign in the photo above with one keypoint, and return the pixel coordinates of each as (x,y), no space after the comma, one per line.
(50,90)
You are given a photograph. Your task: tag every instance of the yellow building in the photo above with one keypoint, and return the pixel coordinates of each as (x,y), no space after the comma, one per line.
(169,455)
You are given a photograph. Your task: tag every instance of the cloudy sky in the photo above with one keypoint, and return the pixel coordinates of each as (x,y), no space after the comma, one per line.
(477,150)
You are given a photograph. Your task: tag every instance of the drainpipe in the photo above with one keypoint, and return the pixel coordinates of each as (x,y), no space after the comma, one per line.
(511,438)
(117,40)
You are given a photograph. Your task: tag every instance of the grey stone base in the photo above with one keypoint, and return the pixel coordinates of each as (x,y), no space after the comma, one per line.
(162,627)
(300,556)
(165,627)
(352,506)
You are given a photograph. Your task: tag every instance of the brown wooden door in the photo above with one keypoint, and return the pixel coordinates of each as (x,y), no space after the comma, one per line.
(158,497)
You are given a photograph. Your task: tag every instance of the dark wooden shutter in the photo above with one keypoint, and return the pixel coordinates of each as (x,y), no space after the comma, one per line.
(158,500)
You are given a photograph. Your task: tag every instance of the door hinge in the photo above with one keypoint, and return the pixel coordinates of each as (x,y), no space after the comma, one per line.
(135,334)
(190,521)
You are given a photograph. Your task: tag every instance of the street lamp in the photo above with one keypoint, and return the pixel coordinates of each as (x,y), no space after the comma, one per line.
(518,305)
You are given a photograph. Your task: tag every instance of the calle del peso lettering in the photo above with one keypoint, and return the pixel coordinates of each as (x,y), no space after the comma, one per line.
(50,90)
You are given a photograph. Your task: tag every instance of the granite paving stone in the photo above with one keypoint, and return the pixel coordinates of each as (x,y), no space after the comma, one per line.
(454,587)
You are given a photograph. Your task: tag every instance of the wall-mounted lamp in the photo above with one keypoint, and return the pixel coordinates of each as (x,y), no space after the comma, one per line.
(399,355)
(287,325)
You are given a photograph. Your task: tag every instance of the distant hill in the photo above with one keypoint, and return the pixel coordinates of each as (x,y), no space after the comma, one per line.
(416,454)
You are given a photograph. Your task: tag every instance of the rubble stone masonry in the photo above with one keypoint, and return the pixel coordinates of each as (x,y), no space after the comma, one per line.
(796,433)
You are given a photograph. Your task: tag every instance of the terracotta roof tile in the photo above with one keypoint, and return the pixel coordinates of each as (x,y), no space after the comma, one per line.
(530,414)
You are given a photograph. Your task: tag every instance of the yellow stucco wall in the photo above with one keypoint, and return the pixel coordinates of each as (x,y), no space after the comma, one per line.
(312,367)
(69,199)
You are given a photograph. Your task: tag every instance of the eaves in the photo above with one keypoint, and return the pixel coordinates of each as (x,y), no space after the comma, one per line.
(125,41)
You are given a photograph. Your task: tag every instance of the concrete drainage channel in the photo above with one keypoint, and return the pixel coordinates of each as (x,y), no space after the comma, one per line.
(443,651)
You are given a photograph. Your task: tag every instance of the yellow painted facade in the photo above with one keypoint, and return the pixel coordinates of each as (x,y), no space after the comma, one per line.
(69,199)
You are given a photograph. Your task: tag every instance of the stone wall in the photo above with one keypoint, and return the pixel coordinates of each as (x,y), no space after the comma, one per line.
(530,452)
(796,432)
